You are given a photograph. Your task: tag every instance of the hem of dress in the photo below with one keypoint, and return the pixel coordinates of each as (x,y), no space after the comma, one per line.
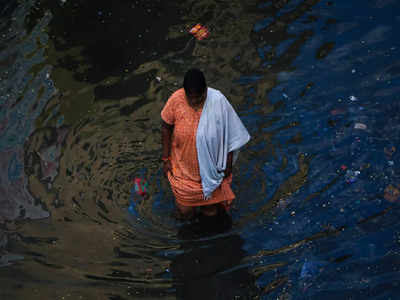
(202,202)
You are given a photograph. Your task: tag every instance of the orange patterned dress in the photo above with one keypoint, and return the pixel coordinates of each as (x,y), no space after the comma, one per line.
(185,177)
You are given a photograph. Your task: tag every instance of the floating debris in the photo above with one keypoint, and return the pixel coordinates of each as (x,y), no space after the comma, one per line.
(351,176)
(353,98)
(200,32)
(141,186)
(392,193)
(139,191)
(360,126)
(389,151)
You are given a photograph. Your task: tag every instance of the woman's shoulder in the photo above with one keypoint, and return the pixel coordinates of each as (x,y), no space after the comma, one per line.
(213,92)
(177,96)
(216,95)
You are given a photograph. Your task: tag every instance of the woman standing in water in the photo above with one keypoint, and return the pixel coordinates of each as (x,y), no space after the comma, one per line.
(201,136)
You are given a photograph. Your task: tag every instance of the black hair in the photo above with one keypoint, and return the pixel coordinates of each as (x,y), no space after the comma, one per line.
(194,82)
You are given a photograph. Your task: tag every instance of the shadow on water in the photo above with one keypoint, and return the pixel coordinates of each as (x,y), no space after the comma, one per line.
(208,263)
(82,86)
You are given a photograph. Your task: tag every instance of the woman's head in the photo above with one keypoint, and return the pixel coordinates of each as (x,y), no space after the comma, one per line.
(195,86)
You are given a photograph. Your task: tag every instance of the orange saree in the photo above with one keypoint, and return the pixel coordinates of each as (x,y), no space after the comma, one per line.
(185,179)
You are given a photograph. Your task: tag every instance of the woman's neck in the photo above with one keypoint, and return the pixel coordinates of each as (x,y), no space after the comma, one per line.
(197,106)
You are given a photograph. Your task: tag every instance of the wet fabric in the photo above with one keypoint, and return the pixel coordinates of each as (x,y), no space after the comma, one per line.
(220,131)
(185,179)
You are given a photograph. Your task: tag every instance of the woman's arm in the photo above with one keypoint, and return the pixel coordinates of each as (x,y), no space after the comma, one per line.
(166,135)
(229,164)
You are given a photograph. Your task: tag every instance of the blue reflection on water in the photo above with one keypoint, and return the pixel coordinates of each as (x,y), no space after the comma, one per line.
(322,99)
(356,83)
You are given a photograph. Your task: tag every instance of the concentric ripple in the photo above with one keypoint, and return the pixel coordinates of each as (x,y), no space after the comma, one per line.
(82,86)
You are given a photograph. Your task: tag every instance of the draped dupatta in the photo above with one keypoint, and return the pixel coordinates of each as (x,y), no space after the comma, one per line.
(219,132)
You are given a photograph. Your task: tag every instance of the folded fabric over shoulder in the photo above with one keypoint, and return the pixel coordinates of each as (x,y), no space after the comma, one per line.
(219,132)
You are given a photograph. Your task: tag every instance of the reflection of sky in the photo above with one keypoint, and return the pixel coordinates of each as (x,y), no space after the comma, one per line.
(363,63)
(336,78)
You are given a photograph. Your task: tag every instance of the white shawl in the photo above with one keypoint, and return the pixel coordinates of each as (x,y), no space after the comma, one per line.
(219,132)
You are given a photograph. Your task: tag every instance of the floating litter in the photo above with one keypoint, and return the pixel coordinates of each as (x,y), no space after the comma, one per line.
(389,151)
(353,98)
(391,193)
(360,126)
(200,32)
(138,192)
(141,186)
(351,176)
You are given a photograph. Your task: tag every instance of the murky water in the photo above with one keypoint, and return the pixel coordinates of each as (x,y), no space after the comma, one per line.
(82,86)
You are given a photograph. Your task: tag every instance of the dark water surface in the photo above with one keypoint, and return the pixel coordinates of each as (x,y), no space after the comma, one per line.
(317,84)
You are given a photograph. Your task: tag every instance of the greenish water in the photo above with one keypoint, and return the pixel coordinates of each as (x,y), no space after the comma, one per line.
(82,86)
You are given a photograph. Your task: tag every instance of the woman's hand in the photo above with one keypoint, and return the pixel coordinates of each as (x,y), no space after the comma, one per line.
(166,136)
(228,170)
(167,167)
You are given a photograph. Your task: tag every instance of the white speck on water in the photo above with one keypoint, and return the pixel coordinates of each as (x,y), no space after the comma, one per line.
(360,126)
(353,98)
